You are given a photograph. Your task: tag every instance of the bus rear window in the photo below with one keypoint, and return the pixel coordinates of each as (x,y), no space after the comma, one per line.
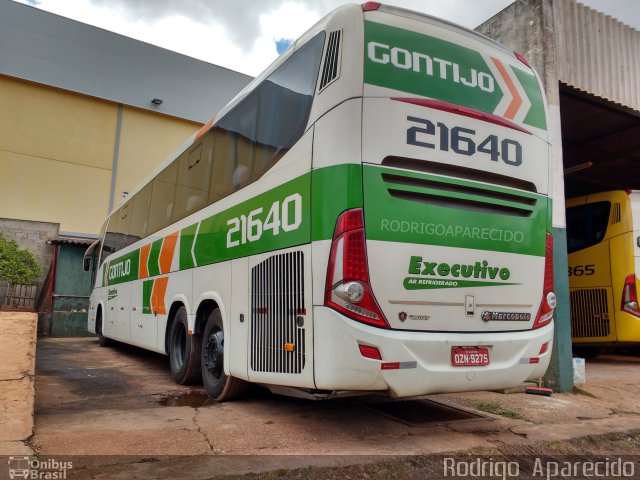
(586,225)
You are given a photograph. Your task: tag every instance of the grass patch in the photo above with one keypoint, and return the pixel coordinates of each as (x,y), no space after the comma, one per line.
(620,441)
(497,409)
(620,411)
(557,447)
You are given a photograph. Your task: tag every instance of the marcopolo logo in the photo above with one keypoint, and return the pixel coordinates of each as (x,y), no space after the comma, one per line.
(478,274)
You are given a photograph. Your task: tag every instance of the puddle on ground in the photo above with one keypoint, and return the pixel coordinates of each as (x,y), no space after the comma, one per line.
(189,399)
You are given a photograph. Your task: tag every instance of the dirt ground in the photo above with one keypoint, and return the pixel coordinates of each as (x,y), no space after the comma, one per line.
(121,404)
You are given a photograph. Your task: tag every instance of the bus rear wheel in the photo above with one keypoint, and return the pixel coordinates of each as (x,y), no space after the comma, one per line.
(102,340)
(184,351)
(219,386)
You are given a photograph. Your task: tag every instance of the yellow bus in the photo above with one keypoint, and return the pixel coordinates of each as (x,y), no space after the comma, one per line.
(603,241)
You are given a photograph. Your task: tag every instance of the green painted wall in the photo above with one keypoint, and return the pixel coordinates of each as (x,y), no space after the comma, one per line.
(70,293)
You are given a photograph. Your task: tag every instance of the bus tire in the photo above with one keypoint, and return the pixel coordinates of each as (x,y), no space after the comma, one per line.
(218,385)
(184,351)
(102,340)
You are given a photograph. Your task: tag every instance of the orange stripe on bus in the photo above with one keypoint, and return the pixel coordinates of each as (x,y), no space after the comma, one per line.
(204,129)
(144,258)
(516,102)
(158,294)
(166,253)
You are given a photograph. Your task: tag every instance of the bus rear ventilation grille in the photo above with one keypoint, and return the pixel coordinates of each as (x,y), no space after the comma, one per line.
(615,213)
(589,313)
(331,67)
(442,192)
(457,172)
(277,300)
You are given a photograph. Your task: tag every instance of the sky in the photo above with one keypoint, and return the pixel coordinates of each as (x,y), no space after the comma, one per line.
(247,35)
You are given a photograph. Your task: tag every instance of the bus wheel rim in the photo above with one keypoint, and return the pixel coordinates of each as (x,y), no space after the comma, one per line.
(214,352)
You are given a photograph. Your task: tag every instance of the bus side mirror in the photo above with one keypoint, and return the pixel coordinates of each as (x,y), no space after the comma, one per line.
(87,260)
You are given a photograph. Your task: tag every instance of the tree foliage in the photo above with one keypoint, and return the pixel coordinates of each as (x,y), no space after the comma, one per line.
(16,265)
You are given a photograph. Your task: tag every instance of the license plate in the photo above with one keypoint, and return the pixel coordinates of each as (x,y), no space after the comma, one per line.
(469,356)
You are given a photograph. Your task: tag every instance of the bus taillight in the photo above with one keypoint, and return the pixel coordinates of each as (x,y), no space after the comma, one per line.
(549,300)
(630,296)
(348,289)
(371,6)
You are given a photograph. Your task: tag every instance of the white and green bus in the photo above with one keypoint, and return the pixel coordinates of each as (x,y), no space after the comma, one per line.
(370,214)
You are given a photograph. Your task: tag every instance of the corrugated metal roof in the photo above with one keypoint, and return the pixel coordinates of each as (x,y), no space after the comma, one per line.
(71,241)
(597,53)
(52,50)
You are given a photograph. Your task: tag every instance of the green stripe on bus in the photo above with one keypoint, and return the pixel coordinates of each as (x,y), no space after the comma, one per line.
(411,62)
(536,116)
(333,190)
(187,237)
(432,217)
(147,289)
(415,78)
(154,255)
(261,224)
(123,269)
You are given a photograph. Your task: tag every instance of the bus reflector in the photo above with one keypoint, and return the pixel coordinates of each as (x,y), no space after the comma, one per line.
(548,302)
(630,296)
(369,6)
(534,360)
(347,289)
(544,348)
(390,366)
(370,352)
(289,347)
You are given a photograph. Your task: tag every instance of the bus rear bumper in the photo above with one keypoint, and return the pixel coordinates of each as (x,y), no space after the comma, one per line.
(419,363)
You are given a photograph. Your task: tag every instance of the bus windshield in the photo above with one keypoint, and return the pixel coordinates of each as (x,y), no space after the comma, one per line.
(586,225)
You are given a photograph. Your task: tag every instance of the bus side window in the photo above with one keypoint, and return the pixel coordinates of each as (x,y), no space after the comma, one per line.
(162,197)
(101,252)
(286,97)
(253,136)
(194,173)
(116,235)
(221,183)
(239,128)
(140,212)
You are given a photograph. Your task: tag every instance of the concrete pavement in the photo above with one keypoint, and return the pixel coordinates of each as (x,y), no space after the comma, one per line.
(17,374)
(121,401)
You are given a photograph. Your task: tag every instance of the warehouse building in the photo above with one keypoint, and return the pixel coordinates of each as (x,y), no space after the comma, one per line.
(590,68)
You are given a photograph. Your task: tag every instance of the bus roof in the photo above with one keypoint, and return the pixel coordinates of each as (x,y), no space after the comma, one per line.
(424,17)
